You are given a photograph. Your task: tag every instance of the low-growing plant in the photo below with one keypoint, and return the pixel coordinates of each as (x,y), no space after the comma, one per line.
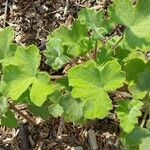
(99,56)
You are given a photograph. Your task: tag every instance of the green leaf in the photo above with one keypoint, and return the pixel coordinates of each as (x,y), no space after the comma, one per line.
(16,81)
(41,111)
(72,108)
(40,89)
(136,20)
(25,75)
(55,97)
(144,80)
(93,20)
(112,76)
(145,144)
(75,39)
(54,53)
(136,93)
(29,59)
(103,56)
(90,82)
(128,113)
(6,36)
(9,120)
(132,70)
(56,110)
(97,105)
(135,137)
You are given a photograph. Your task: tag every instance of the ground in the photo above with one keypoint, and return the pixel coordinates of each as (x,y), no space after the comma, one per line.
(32,21)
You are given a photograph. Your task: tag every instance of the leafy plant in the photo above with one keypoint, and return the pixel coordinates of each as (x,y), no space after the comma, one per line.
(103,53)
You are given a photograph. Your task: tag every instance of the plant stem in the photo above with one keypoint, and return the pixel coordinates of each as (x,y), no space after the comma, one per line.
(144,118)
(29,120)
(1,72)
(95,50)
(56,77)
(114,47)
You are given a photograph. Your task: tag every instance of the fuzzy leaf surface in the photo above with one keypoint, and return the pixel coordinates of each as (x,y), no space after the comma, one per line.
(54,54)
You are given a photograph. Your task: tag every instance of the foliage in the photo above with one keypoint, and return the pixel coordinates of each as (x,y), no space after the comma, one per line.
(100,61)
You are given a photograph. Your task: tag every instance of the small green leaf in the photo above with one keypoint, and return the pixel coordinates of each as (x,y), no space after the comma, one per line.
(128,113)
(75,39)
(93,20)
(54,53)
(9,120)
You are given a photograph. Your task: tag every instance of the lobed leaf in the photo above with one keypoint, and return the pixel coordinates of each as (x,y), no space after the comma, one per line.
(25,75)
(90,82)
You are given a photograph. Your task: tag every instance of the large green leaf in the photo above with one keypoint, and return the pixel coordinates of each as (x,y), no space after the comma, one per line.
(128,113)
(90,82)
(25,75)
(136,20)
(6,37)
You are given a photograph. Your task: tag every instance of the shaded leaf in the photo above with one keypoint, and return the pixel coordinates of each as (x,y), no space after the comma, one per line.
(128,113)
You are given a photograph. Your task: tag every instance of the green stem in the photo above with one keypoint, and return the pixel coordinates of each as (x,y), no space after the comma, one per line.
(1,72)
(96,50)
(144,118)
